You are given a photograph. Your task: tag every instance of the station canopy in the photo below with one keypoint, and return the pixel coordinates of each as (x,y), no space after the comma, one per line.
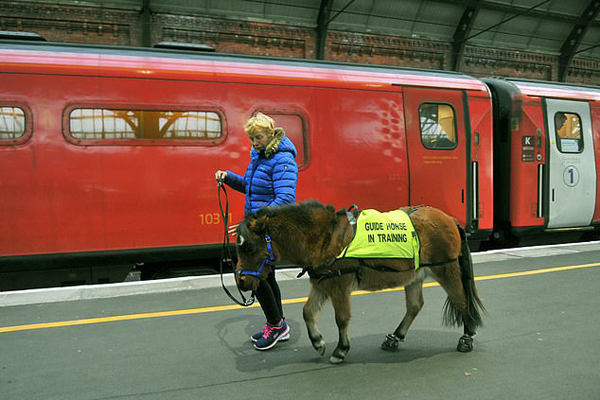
(563,28)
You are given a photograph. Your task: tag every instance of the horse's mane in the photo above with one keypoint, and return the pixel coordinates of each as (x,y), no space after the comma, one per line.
(302,215)
(299,212)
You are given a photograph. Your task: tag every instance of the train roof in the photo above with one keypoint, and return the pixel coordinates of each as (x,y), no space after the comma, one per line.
(557,89)
(75,59)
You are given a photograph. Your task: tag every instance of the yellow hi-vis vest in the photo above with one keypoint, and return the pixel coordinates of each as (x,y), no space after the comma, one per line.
(384,235)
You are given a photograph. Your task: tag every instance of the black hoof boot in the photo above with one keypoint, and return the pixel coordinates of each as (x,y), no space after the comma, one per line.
(391,342)
(465,344)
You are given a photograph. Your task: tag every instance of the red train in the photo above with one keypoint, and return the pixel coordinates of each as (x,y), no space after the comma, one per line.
(107,155)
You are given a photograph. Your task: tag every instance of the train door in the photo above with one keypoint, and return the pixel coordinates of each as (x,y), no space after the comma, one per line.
(437,149)
(571,194)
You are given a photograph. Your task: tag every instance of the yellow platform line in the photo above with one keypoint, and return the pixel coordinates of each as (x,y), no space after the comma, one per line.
(191,311)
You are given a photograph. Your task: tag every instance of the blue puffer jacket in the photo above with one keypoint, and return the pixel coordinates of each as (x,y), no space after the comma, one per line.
(269,180)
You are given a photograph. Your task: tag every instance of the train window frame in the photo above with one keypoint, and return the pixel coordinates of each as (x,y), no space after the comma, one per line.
(28,120)
(208,142)
(560,140)
(274,112)
(427,144)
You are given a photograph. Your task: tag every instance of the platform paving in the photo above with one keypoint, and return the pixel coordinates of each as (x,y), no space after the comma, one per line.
(540,340)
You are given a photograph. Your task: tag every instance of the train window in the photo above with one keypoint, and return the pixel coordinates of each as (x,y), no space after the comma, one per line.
(12,123)
(569,138)
(438,126)
(111,124)
(295,129)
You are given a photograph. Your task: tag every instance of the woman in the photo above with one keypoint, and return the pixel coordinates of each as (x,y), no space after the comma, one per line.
(270,180)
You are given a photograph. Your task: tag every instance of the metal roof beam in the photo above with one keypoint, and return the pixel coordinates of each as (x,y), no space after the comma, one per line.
(569,47)
(146,13)
(322,24)
(462,31)
(514,9)
(341,11)
(524,12)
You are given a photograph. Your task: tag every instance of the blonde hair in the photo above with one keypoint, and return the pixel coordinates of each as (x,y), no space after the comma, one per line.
(259,123)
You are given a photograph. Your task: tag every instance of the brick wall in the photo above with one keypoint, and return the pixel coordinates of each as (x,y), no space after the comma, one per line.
(235,36)
(77,24)
(124,26)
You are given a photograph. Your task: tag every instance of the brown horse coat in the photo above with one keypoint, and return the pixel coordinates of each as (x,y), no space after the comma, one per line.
(312,235)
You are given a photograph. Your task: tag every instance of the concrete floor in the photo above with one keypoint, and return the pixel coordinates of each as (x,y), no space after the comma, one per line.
(540,341)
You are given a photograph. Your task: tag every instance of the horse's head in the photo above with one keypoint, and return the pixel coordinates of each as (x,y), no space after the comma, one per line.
(254,251)
(306,234)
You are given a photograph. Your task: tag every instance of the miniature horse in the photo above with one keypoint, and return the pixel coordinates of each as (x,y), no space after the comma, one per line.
(311,235)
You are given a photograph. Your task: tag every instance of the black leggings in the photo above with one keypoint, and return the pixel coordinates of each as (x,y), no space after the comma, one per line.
(269,297)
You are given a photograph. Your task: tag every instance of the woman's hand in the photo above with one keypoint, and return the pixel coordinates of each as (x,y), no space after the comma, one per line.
(232,230)
(220,175)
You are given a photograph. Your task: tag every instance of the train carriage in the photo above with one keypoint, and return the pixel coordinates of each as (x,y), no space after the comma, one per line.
(108,154)
(546,143)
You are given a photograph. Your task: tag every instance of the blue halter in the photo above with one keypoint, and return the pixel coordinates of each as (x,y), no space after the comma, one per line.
(267,261)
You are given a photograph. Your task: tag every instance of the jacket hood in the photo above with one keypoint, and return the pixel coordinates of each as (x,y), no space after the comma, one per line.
(279,143)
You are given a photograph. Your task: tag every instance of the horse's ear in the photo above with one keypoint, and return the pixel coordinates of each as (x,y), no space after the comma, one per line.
(341,211)
(251,226)
(259,225)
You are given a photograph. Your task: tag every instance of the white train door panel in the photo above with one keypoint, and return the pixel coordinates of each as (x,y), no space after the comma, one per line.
(571,162)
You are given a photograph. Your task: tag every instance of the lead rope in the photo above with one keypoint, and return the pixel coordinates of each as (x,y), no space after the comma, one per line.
(226,249)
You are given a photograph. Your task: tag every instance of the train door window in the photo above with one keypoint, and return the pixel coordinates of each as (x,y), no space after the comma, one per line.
(438,126)
(13,125)
(295,129)
(569,138)
(100,125)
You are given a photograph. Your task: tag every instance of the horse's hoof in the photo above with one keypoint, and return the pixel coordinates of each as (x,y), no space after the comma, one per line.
(391,343)
(339,354)
(336,360)
(465,344)
(320,346)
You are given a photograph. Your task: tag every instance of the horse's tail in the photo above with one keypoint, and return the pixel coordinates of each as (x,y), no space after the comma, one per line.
(452,315)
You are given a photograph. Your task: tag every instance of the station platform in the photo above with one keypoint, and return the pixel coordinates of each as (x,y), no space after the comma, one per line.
(184,339)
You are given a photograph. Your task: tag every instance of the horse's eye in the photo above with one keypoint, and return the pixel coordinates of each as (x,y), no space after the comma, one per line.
(245,246)
(247,250)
